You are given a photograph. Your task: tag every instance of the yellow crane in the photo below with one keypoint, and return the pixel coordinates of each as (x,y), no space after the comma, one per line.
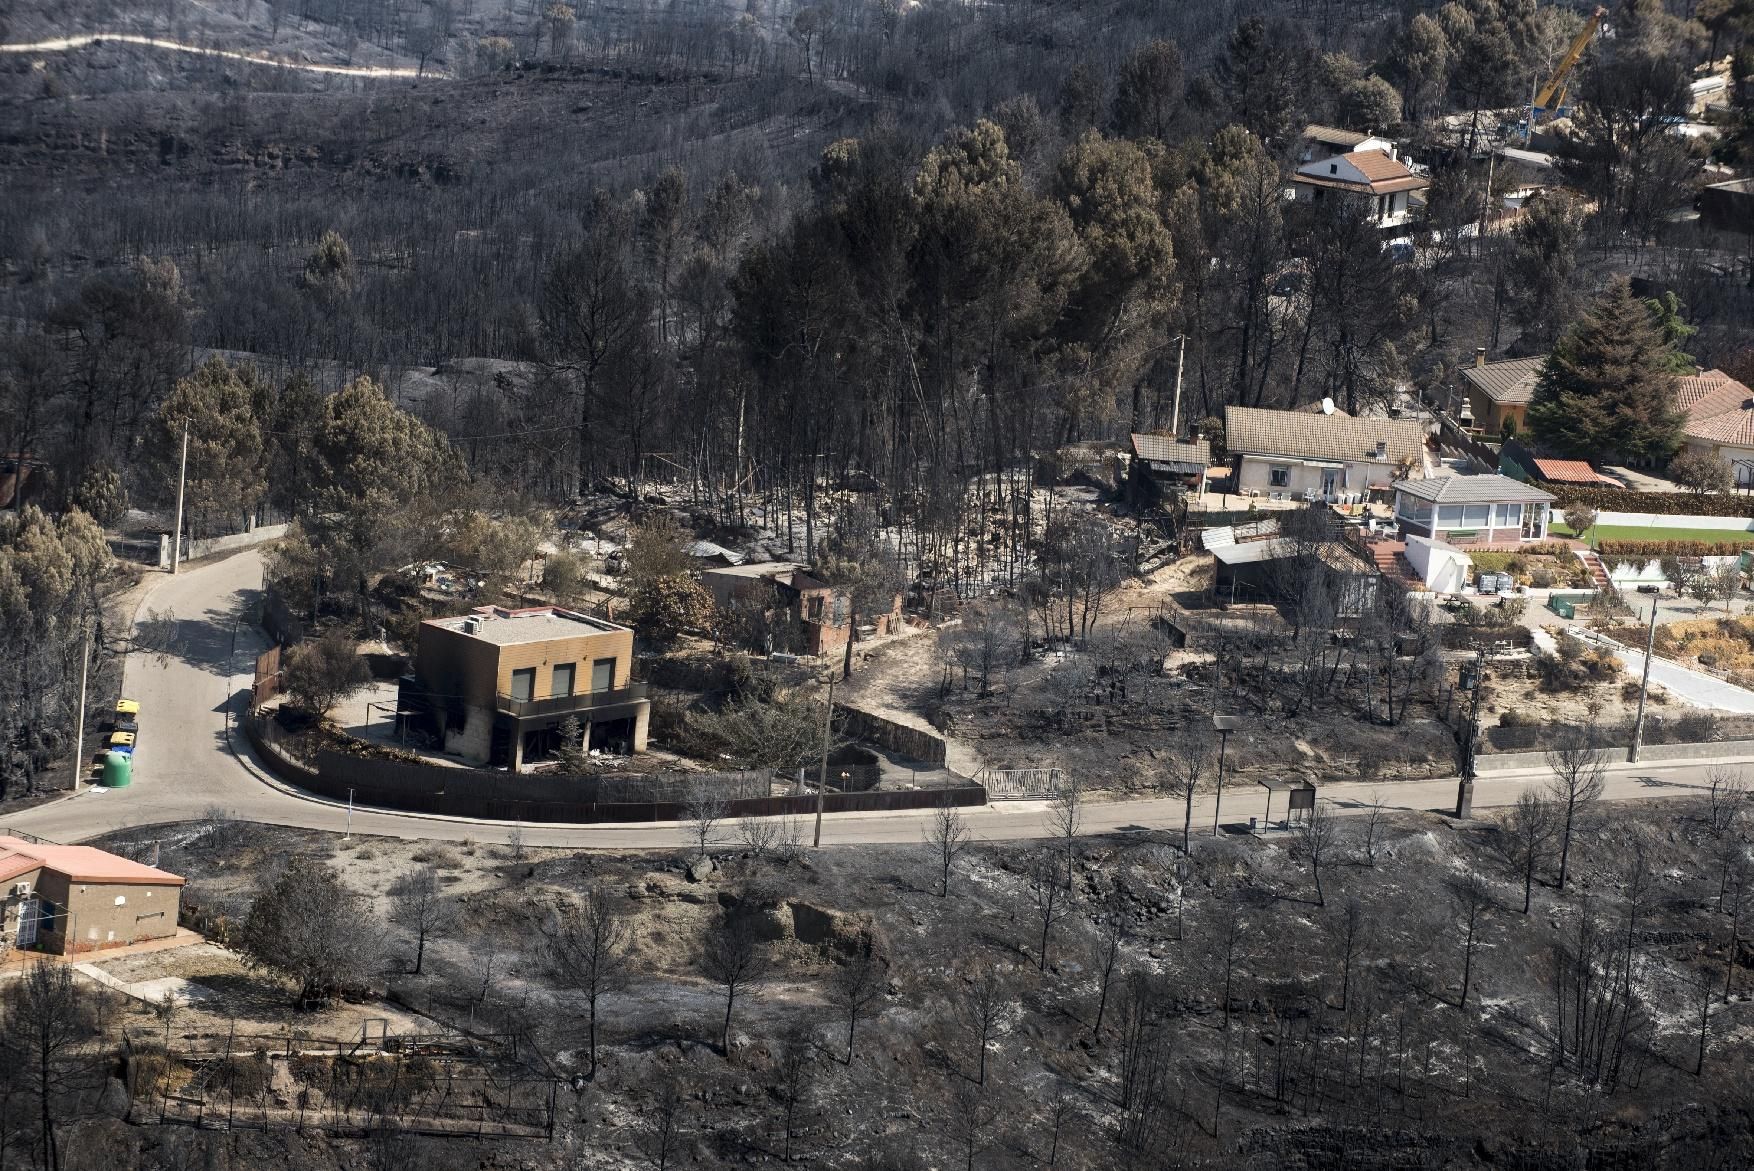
(1551,99)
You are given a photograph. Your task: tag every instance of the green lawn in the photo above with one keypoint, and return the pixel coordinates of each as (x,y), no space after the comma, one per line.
(1647,533)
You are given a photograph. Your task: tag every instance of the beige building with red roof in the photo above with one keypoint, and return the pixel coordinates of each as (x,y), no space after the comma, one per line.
(1720,420)
(69,899)
(1381,183)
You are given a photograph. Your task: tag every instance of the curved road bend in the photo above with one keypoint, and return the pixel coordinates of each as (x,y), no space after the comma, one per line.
(186,765)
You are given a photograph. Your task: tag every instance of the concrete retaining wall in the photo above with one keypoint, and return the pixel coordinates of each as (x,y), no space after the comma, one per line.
(212,546)
(912,742)
(1731,524)
(1500,762)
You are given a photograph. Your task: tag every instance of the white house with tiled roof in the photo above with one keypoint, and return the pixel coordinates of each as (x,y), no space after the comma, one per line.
(1375,178)
(1473,509)
(1305,455)
(1720,420)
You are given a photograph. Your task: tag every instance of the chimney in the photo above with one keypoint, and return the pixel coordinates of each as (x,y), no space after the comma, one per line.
(1479,356)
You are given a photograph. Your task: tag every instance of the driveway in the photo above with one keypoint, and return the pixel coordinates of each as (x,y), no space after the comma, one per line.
(187,767)
(1687,685)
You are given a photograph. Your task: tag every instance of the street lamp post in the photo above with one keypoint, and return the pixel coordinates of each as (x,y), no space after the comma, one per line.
(1224,726)
(1471,678)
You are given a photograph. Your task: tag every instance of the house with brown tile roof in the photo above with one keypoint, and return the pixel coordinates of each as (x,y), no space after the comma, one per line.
(68,899)
(1498,393)
(1302,455)
(1324,142)
(1376,179)
(1720,420)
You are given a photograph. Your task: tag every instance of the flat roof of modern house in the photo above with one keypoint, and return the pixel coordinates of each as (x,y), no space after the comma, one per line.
(502,627)
(1336,555)
(78,863)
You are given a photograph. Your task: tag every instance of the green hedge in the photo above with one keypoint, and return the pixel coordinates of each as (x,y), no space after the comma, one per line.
(1673,548)
(1661,503)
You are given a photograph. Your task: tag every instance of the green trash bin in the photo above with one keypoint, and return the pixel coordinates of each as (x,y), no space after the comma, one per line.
(118,770)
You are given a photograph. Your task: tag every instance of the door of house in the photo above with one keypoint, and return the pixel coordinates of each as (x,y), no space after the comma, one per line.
(29,914)
(603,675)
(1531,522)
(523,682)
(1330,482)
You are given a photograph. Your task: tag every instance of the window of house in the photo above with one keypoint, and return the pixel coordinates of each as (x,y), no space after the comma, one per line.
(1476,516)
(1449,516)
(1507,516)
(1414,508)
(1333,168)
(603,675)
(563,678)
(1279,476)
(523,682)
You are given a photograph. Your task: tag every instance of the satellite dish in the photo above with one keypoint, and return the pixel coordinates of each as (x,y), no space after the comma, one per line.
(1327,406)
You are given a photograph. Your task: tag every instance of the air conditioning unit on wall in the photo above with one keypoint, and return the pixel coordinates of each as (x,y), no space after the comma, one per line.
(21,890)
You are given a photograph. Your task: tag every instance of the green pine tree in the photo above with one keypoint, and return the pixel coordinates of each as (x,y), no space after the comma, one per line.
(1608,387)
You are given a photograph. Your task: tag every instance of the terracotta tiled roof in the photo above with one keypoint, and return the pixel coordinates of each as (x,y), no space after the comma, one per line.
(1382,175)
(1719,409)
(87,863)
(1508,382)
(1693,390)
(1296,435)
(1570,471)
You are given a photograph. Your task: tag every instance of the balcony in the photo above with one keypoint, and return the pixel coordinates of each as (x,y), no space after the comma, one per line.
(561,705)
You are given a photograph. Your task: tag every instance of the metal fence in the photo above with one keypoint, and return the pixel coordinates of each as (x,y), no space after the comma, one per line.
(1011,784)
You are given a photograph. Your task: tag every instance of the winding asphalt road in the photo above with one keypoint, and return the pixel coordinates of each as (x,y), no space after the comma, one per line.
(189,766)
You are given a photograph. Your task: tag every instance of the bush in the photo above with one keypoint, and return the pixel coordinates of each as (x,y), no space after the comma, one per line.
(1661,503)
(1660,549)
(320,674)
(1576,666)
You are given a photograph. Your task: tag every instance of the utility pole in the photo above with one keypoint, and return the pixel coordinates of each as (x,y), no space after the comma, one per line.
(79,716)
(182,480)
(1465,788)
(1650,642)
(349,832)
(1175,416)
(822,777)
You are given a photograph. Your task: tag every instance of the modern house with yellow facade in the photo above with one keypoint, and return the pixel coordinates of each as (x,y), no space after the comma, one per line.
(496,685)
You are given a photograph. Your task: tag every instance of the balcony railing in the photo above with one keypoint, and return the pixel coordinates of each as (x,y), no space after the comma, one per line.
(559,705)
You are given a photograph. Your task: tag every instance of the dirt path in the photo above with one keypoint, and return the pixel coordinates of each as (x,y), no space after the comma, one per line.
(896,681)
(64,44)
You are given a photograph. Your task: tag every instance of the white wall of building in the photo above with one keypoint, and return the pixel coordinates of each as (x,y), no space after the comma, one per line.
(1728,524)
(1443,568)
